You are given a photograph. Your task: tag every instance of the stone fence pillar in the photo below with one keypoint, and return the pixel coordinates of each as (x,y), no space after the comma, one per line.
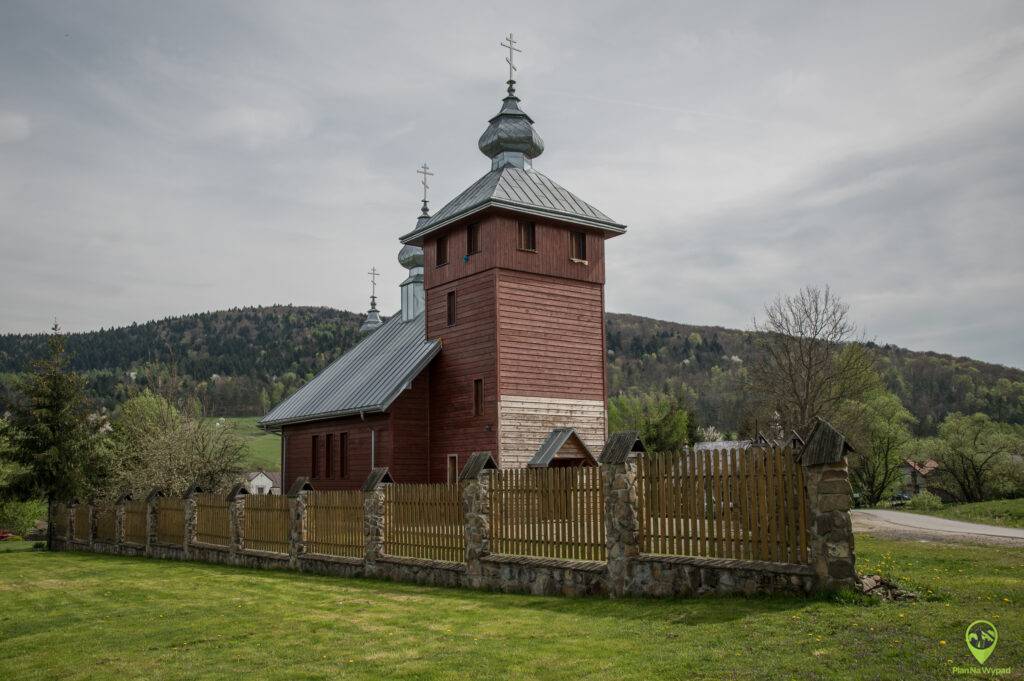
(621,513)
(829,499)
(70,534)
(373,518)
(475,480)
(152,518)
(119,513)
(190,518)
(297,532)
(236,517)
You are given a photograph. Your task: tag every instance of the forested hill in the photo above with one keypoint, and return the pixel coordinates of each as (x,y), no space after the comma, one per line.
(242,361)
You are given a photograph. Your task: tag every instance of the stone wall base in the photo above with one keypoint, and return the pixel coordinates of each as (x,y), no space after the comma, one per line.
(648,575)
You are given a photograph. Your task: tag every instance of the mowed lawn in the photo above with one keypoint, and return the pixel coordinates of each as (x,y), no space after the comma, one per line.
(79,616)
(264,449)
(1003,512)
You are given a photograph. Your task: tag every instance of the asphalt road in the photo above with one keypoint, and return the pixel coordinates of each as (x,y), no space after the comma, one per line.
(916,526)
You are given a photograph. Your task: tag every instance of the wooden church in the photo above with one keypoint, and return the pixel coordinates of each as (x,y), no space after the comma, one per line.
(499,346)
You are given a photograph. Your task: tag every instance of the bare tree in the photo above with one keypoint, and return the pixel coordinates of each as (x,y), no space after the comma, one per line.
(811,359)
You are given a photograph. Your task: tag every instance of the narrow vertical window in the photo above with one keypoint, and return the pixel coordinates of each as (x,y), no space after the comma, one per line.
(329,458)
(453,468)
(442,250)
(314,470)
(527,236)
(478,397)
(579,246)
(343,455)
(472,239)
(451,308)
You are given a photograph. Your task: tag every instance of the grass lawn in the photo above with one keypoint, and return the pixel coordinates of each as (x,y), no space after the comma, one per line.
(264,447)
(1004,512)
(11,546)
(77,616)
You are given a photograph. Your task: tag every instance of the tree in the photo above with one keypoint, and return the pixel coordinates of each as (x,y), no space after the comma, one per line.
(157,445)
(971,452)
(879,430)
(659,418)
(811,361)
(52,436)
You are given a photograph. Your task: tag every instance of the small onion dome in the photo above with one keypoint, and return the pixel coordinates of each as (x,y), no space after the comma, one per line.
(511,130)
(410,256)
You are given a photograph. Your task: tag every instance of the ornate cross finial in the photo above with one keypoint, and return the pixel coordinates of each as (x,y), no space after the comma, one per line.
(425,172)
(510,43)
(373,287)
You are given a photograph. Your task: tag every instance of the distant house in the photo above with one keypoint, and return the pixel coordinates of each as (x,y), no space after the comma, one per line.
(918,476)
(263,482)
(709,445)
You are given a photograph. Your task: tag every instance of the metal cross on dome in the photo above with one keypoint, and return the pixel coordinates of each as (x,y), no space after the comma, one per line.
(510,43)
(373,286)
(425,172)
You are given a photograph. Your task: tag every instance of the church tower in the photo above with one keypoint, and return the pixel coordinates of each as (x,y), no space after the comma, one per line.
(513,279)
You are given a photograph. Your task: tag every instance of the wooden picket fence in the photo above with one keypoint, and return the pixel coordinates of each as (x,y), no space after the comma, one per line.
(548,513)
(424,521)
(60,521)
(748,504)
(334,523)
(170,520)
(82,528)
(213,520)
(136,522)
(106,524)
(268,522)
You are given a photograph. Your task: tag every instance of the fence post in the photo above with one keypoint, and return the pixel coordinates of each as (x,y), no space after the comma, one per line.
(189,512)
(297,533)
(621,512)
(69,535)
(119,518)
(152,518)
(475,480)
(373,518)
(829,499)
(236,516)
(91,537)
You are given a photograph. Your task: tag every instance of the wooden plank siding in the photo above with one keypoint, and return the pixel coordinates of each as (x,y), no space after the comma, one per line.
(468,353)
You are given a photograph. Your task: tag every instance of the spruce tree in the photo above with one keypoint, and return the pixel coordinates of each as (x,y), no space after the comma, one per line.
(52,437)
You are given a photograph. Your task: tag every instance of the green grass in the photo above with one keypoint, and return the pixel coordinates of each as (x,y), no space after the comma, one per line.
(11,546)
(1004,512)
(264,448)
(78,616)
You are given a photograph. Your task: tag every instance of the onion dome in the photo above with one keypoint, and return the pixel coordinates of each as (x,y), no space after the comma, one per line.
(510,137)
(410,256)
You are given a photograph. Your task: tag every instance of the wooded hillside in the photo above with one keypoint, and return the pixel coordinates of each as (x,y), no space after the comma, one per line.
(242,361)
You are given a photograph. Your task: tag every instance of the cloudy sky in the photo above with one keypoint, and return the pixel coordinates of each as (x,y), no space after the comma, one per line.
(165,158)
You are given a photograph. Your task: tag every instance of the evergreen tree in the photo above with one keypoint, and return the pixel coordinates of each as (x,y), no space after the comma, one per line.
(52,439)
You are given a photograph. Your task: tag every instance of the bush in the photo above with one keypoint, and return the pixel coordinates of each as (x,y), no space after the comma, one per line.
(39,546)
(20,517)
(13,537)
(924,501)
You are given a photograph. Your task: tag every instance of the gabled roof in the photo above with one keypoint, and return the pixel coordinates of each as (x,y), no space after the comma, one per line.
(366,379)
(825,445)
(554,442)
(520,189)
(924,467)
(621,446)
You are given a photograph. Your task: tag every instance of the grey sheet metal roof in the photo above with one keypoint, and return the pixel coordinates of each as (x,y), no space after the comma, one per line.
(478,461)
(365,379)
(555,440)
(521,189)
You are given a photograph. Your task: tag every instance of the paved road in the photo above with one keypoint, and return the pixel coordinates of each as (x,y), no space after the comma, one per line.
(913,525)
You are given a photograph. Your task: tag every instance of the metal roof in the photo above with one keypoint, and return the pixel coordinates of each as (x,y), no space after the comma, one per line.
(555,440)
(478,461)
(367,378)
(521,189)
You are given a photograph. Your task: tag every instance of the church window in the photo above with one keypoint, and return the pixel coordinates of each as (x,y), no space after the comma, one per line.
(442,251)
(527,236)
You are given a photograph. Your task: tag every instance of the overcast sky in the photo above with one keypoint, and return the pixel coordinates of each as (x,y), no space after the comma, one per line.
(165,158)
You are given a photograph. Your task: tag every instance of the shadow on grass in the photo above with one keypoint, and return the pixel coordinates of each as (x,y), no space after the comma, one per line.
(695,611)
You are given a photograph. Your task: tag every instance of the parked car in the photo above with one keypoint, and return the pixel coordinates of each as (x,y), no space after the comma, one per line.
(899,499)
